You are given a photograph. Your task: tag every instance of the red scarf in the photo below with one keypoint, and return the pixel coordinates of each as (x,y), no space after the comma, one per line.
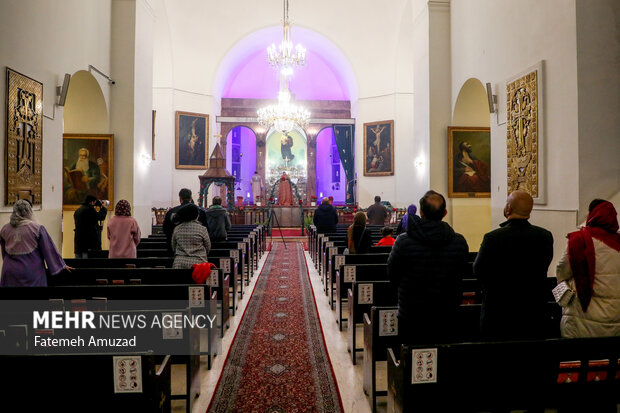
(602,224)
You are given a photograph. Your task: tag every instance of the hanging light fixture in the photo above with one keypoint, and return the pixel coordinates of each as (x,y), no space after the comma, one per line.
(285,116)
(285,57)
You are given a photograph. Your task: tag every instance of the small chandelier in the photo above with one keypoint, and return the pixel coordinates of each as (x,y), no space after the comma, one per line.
(284,116)
(285,58)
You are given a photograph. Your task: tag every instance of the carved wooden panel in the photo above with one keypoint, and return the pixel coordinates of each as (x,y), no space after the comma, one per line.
(24,138)
(522,134)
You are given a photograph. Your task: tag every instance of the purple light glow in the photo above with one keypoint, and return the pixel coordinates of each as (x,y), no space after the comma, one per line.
(245,73)
(324,142)
(254,78)
(247,161)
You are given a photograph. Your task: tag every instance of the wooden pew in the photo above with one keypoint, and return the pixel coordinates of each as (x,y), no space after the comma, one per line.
(218,281)
(512,375)
(78,383)
(351,273)
(74,298)
(340,260)
(361,297)
(165,262)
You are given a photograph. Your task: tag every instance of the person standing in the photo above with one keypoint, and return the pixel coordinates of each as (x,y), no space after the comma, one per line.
(285,191)
(404,222)
(512,268)
(377,212)
(258,186)
(218,221)
(88,226)
(591,267)
(325,217)
(359,240)
(190,239)
(123,232)
(185,197)
(426,265)
(26,250)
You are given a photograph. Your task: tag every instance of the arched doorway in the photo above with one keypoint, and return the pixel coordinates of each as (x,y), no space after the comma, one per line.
(241,160)
(472,216)
(330,177)
(85,111)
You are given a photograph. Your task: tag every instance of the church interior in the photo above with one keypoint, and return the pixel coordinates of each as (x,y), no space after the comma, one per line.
(171,94)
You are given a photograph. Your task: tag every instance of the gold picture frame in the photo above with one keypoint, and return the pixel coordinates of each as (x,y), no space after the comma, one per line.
(88,168)
(191,143)
(379,148)
(469,162)
(24,139)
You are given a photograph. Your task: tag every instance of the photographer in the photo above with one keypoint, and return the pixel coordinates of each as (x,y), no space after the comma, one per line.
(88,226)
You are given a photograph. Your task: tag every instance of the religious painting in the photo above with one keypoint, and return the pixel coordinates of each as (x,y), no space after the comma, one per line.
(191,140)
(24,138)
(379,148)
(524,140)
(469,162)
(88,168)
(286,153)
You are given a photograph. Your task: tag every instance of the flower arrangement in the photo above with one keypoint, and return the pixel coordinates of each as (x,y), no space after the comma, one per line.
(301,201)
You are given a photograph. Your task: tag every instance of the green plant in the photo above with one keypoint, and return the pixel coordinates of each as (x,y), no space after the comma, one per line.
(307,221)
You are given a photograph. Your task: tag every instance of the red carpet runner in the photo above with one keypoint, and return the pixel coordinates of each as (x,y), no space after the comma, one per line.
(278,361)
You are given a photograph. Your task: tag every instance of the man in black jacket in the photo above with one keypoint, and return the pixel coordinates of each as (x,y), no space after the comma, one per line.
(218,221)
(376,212)
(427,264)
(325,217)
(512,267)
(87,226)
(185,197)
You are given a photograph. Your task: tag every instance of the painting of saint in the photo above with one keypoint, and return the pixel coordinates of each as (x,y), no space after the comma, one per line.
(470,162)
(192,130)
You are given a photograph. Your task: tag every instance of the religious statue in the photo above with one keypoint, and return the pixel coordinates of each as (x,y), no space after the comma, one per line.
(285,191)
(258,186)
(286,143)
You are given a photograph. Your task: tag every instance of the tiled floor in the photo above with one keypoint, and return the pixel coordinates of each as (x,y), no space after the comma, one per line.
(349,377)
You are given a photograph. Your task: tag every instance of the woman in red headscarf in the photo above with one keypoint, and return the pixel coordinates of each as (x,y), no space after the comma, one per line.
(591,267)
(123,232)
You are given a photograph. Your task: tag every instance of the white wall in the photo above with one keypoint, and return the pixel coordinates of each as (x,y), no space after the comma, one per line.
(598,76)
(493,41)
(44,39)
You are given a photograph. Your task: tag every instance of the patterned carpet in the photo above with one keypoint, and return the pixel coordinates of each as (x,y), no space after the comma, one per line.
(278,361)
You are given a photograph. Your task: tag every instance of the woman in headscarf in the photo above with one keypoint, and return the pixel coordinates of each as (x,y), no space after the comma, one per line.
(26,249)
(123,232)
(359,240)
(190,239)
(591,267)
(402,225)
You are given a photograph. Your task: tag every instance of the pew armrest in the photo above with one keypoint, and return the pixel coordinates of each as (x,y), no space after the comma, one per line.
(392,358)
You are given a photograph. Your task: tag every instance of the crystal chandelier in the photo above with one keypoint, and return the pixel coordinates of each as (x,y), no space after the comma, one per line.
(285,58)
(284,116)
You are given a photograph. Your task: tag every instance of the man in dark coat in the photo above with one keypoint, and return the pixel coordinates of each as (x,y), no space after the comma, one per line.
(218,221)
(512,267)
(325,217)
(185,197)
(427,264)
(87,226)
(376,213)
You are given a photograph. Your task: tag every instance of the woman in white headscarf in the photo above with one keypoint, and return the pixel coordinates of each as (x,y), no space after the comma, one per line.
(26,249)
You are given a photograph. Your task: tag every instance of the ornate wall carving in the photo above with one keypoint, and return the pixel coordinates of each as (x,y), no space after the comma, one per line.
(522,134)
(24,141)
